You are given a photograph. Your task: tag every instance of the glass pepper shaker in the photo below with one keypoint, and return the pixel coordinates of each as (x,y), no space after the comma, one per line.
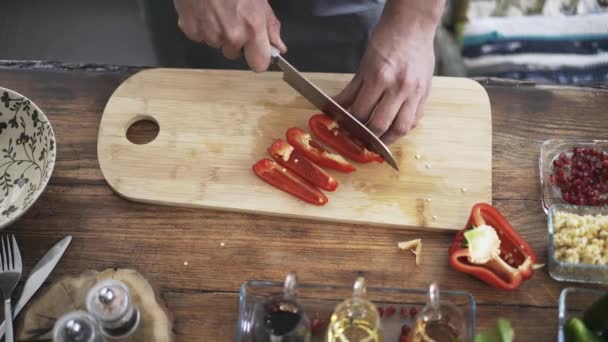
(109,301)
(355,319)
(281,318)
(438,321)
(77,326)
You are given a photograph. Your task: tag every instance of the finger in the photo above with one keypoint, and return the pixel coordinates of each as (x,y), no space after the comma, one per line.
(385,113)
(365,101)
(185,20)
(403,122)
(210,31)
(420,108)
(234,39)
(190,28)
(232,51)
(273,25)
(349,93)
(257,51)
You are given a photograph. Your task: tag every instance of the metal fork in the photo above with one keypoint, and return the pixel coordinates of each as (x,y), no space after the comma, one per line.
(9,277)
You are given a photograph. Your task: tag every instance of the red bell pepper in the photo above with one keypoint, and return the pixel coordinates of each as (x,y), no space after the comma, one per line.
(283,179)
(330,133)
(513,259)
(303,142)
(287,156)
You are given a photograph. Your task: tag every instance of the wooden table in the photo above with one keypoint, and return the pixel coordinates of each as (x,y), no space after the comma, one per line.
(199,258)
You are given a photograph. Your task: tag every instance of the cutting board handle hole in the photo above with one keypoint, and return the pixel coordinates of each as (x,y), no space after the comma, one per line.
(142,130)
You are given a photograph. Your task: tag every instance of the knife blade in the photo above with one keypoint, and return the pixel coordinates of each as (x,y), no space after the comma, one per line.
(38,275)
(330,107)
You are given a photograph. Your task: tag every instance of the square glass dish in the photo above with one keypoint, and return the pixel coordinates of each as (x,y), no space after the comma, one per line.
(573,301)
(563,271)
(319,301)
(549,151)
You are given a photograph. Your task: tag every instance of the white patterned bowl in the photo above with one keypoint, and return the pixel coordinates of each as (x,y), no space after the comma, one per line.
(27,154)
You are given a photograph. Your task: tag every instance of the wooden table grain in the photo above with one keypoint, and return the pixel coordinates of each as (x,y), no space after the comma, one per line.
(199,258)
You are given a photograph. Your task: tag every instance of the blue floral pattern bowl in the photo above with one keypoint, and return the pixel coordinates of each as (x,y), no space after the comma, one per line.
(27,154)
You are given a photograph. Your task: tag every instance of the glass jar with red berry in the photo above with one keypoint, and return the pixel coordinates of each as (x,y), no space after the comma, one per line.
(574,172)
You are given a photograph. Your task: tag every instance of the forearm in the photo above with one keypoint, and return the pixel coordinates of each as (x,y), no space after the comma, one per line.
(414,17)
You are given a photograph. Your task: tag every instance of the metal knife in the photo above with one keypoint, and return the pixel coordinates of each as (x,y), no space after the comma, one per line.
(38,275)
(328,106)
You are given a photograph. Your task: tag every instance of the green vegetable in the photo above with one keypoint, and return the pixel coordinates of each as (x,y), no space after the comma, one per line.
(596,316)
(501,332)
(576,331)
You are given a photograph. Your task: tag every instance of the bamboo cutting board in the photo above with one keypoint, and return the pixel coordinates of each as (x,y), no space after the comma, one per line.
(215,124)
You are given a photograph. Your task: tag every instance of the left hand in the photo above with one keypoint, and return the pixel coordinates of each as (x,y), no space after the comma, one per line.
(394,78)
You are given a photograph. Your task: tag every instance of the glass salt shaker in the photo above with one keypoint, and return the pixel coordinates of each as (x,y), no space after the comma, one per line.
(281,318)
(109,301)
(77,326)
(438,321)
(355,319)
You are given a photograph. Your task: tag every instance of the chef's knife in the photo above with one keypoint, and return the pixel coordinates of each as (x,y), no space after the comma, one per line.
(328,106)
(38,275)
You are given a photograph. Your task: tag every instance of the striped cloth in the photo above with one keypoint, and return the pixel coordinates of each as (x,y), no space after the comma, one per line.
(561,49)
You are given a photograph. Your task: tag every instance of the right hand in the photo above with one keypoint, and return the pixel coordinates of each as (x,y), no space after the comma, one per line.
(235,26)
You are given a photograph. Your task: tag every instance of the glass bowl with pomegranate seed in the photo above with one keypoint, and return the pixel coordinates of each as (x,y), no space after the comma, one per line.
(574,172)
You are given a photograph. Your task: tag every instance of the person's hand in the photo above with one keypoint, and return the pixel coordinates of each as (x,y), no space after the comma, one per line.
(393,80)
(235,26)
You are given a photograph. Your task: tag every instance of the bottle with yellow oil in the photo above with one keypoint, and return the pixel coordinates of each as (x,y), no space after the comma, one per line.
(356,319)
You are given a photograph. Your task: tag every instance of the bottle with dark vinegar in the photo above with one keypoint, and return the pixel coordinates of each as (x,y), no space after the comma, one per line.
(281,318)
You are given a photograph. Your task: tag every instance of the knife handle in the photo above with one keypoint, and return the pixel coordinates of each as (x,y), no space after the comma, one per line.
(274,52)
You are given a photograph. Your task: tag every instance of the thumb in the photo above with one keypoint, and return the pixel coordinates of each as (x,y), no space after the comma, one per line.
(273,26)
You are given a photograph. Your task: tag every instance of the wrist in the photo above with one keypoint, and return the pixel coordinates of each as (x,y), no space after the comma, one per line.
(417,19)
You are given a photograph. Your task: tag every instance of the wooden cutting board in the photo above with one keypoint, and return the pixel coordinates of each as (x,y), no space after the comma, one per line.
(215,124)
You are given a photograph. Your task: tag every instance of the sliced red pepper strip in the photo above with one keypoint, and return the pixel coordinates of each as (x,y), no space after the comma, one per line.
(513,248)
(303,143)
(289,157)
(283,179)
(330,134)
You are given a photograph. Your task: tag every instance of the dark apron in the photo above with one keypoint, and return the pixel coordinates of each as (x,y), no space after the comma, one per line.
(321,36)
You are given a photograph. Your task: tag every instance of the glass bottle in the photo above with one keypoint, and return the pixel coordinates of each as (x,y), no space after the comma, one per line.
(438,321)
(281,318)
(356,319)
(77,326)
(109,301)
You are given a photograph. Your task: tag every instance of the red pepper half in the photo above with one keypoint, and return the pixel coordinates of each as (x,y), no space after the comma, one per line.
(283,179)
(289,157)
(330,134)
(511,267)
(303,142)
